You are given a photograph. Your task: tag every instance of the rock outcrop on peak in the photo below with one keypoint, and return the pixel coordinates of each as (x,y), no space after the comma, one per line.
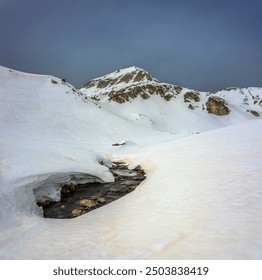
(144,91)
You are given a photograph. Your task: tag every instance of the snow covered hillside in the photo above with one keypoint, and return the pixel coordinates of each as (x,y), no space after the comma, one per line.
(202,195)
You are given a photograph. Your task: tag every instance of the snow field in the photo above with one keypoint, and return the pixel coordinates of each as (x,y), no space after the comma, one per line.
(201,199)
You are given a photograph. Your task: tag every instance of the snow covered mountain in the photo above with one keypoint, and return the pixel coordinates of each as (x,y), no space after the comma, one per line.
(202,196)
(134,94)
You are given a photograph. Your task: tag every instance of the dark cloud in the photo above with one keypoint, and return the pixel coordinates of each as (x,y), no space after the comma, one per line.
(201,44)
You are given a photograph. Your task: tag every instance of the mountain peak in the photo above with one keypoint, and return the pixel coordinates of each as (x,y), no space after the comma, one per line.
(132,69)
(125,76)
(124,71)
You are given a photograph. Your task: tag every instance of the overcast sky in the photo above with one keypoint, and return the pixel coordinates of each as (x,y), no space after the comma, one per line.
(202,44)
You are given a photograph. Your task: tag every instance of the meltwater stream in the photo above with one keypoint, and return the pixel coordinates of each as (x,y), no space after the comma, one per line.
(77,200)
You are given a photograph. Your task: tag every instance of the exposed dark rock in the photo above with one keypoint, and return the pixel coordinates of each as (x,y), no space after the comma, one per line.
(178,89)
(167,97)
(142,75)
(118,97)
(139,170)
(144,91)
(120,163)
(126,78)
(190,106)
(89,84)
(118,144)
(96,98)
(144,95)
(191,95)
(254,113)
(230,88)
(44,203)
(103,83)
(217,106)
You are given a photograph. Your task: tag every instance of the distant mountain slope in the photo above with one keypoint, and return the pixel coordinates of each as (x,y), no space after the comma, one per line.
(136,95)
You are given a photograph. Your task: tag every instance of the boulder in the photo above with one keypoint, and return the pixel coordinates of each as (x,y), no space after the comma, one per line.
(217,106)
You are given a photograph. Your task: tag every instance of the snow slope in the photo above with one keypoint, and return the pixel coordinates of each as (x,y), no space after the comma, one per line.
(201,198)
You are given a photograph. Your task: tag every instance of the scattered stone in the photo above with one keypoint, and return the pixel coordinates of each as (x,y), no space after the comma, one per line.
(113,190)
(88,203)
(101,199)
(119,144)
(68,188)
(116,176)
(254,113)
(44,203)
(78,212)
(190,106)
(96,98)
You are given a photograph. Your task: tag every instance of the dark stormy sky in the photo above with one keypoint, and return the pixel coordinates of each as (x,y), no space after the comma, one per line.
(202,44)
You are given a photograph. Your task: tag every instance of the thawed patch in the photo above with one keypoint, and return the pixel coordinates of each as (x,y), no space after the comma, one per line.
(78,199)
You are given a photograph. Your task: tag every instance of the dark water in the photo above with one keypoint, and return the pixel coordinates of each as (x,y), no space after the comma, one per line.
(81,199)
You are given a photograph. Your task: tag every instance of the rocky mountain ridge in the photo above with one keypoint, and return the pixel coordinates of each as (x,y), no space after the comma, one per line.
(128,84)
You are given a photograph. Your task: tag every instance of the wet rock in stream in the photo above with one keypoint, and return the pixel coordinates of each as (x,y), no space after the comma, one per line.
(77,200)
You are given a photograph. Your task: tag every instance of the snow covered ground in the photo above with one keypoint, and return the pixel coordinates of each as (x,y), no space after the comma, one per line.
(201,199)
